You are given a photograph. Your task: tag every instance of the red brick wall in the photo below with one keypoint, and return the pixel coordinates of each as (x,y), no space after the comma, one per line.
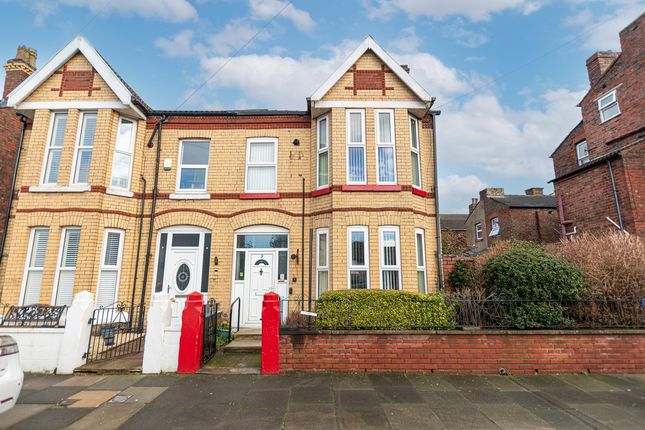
(564,157)
(10,128)
(465,352)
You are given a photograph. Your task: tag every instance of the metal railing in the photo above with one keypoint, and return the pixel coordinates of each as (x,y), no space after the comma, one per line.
(209,343)
(230,317)
(597,313)
(33,316)
(116,331)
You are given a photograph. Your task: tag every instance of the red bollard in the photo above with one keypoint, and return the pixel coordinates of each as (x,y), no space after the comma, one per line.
(192,334)
(271,334)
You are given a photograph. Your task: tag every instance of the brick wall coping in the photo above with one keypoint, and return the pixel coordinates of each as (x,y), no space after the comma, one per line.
(469,332)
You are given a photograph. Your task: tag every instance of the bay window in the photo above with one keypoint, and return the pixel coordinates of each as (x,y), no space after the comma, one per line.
(123,150)
(385,147)
(414,152)
(110,268)
(33,276)
(66,270)
(54,148)
(261,165)
(358,257)
(193,165)
(84,144)
(421,260)
(390,253)
(322,163)
(322,260)
(356,146)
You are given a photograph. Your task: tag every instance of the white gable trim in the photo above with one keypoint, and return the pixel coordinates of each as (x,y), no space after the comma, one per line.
(368,44)
(79,44)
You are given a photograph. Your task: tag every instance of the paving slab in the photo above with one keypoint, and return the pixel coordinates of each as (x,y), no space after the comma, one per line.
(513,416)
(109,416)
(51,418)
(91,399)
(267,399)
(503,383)
(586,383)
(19,413)
(482,396)
(321,416)
(40,382)
(455,412)
(80,381)
(351,382)
(558,417)
(320,394)
(406,416)
(159,380)
(142,394)
(51,395)
(618,381)
(116,382)
(612,416)
(431,383)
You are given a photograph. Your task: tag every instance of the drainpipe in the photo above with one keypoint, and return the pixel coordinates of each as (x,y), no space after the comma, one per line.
(136,261)
(23,120)
(302,247)
(616,202)
(434,115)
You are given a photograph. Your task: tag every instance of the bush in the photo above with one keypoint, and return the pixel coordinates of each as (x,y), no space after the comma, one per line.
(453,243)
(382,309)
(462,276)
(538,281)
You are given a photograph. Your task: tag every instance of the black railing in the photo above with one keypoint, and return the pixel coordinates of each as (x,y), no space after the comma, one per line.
(116,331)
(230,318)
(460,313)
(32,316)
(209,343)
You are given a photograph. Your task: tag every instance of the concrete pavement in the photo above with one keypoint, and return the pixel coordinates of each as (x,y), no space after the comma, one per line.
(329,402)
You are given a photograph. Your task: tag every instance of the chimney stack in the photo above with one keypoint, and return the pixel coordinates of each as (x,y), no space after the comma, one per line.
(489,192)
(473,203)
(598,63)
(535,191)
(18,69)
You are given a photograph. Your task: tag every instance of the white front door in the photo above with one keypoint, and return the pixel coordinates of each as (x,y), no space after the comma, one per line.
(261,282)
(182,275)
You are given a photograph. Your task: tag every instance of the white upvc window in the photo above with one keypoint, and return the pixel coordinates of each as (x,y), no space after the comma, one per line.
(322,145)
(419,235)
(83,148)
(110,268)
(414,152)
(261,165)
(322,260)
(54,148)
(66,270)
(355,121)
(192,174)
(123,150)
(494,227)
(582,153)
(385,147)
(479,232)
(358,257)
(390,256)
(608,106)
(34,264)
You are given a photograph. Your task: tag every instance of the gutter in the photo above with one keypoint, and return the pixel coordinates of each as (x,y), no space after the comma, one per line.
(440,279)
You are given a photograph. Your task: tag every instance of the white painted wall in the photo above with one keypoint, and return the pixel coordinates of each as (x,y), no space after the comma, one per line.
(161,350)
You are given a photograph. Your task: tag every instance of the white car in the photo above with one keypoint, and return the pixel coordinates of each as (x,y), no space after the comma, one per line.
(11,375)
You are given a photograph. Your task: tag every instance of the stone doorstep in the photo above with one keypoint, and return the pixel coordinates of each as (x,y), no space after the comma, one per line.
(243,345)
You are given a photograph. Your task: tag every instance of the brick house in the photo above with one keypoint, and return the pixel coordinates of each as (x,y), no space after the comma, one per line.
(600,165)
(498,216)
(228,203)
(11,125)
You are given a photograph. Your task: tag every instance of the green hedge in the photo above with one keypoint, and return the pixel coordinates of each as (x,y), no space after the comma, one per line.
(382,309)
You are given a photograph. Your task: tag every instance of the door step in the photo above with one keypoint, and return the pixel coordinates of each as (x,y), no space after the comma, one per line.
(243,345)
(243,363)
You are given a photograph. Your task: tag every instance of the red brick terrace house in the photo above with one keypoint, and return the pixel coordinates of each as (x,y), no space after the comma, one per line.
(600,166)
(498,216)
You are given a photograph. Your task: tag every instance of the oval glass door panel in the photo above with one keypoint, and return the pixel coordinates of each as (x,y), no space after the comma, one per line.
(182,278)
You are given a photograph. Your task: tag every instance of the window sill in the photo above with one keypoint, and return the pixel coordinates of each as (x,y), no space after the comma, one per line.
(259,196)
(376,188)
(59,189)
(419,192)
(190,196)
(119,192)
(321,192)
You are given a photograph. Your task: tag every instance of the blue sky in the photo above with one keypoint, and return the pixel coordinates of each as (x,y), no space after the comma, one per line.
(507,74)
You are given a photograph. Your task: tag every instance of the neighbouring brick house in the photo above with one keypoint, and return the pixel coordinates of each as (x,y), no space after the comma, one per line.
(453,233)
(600,165)
(498,216)
(16,71)
(227,215)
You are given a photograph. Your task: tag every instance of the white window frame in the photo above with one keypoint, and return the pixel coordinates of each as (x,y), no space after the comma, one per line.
(366,265)
(380,144)
(420,232)
(355,145)
(584,159)
(133,139)
(320,151)
(181,165)
(80,130)
(614,101)
(103,267)
(415,150)
(325,268)
(479,232)
(494,222)
(59,262)
(382,267)
(250,141)
(49,147)
(28,269)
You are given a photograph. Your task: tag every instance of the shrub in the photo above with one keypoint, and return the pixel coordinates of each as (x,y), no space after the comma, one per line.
(462,276)
(453,243)
(535,282)
(382,309)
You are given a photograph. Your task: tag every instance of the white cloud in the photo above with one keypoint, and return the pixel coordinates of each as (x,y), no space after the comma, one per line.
(475,10)
(407,42)
(164,10)
(180,45)
(456,192)
(267,9)
(236,34)
(458,32)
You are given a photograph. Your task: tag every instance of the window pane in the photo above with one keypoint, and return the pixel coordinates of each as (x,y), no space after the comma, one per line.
(323,168)
(389,248)
(282,265)
(356,160)
(262,241)
(70,249)
(192,178)
(65,290)
(322,133)
(322,250)
(89,128)
(32,287)
(384,126)
(420,251)
(413,133)
(240,265)
(355,127)
(107,288)
(386,164)
(421,281)
(323,281)
(53,164)
(111,257)
(121,170)
(185,239)
(416,175)
(390,279)
(195,153)
(609,98)
(124,139)
(358,248)
(39,248)
(83,160)
(261,178)
(262,152)
(58,134)
(358,278)
(610,111)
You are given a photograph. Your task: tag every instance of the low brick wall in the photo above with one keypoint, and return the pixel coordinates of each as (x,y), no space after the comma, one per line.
(480,352)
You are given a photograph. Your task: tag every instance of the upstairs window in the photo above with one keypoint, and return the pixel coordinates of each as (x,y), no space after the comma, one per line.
(358,252)
(582,153)
(67,266)
(479,232)
(494,227)
(414,151)
(55,148)
(261,165)
(33,276)
(193,165)
(608,106)
(84,144)
(356,146)
(122,161)
(323,152)
(385,149)
(390,258)
(106,294)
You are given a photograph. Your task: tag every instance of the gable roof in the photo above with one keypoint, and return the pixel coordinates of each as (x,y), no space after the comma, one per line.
(369,44)
(123,91)
(520,201)
(454,222)
(573,130)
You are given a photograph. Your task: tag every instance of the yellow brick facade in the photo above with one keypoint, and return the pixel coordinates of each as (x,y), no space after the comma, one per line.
(224,210)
